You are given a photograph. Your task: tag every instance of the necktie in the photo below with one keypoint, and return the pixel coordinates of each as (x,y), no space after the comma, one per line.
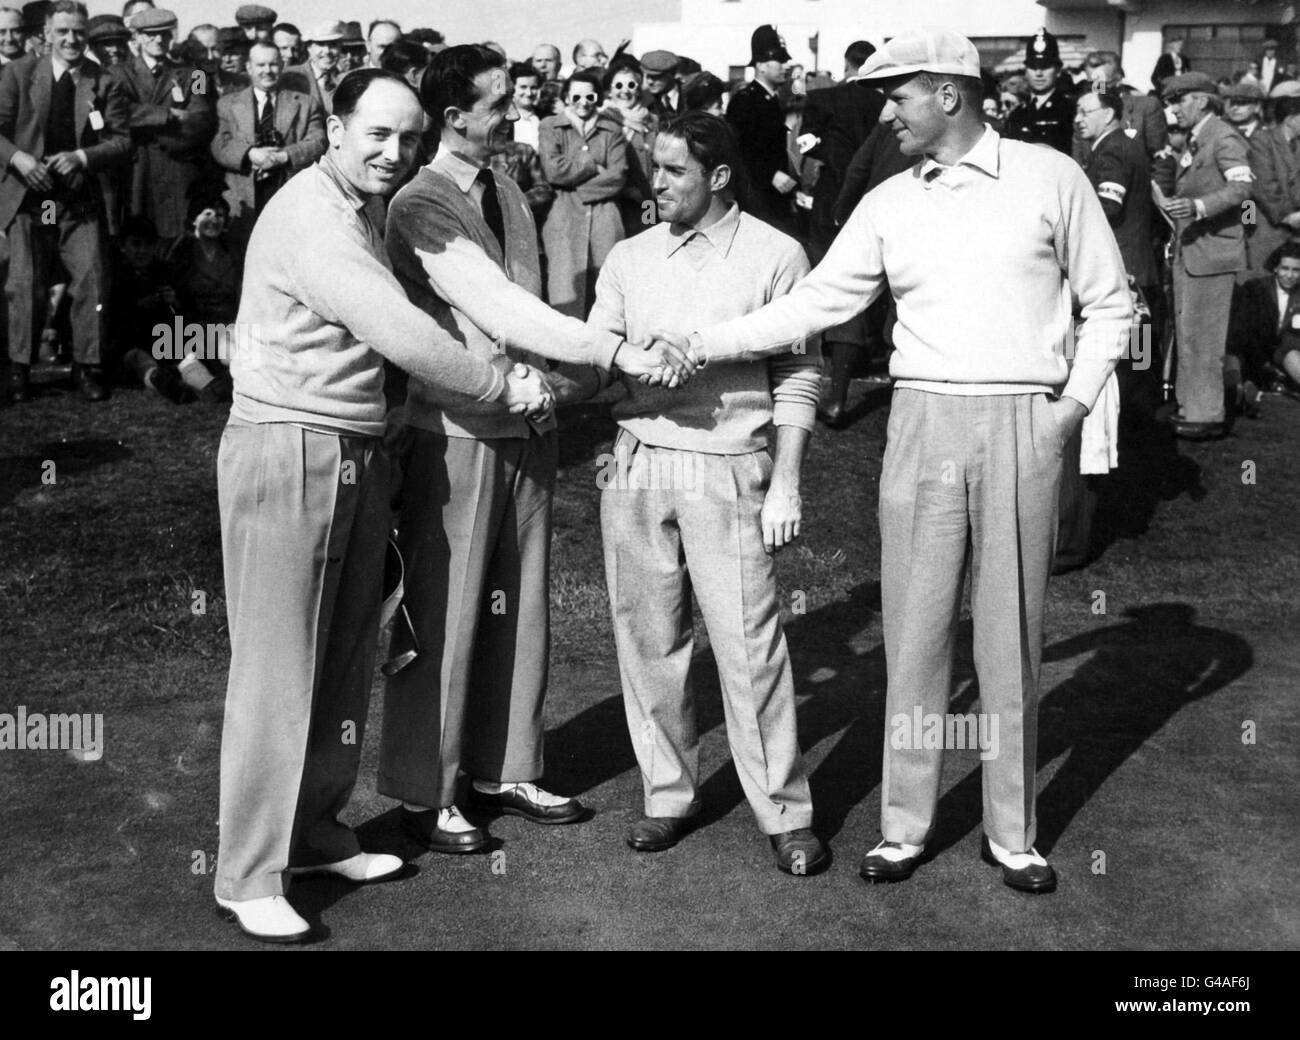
(492,206)
(328,84)
(266,123)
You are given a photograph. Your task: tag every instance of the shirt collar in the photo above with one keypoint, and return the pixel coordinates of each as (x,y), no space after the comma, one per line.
(354,198)
(1196,130)
(770,92)
(983,156)
(720,235)
(462,172)
(259,96)
(60,67)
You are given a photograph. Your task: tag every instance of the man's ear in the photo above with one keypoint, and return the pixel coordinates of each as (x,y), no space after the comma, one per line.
(949,98)
(453,117)
(334,131)
(720,177)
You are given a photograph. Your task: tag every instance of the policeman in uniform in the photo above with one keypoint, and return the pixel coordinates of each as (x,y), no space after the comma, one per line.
(756,117)
(1049,116)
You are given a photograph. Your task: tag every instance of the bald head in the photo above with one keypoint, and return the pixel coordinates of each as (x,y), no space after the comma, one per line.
(589,54)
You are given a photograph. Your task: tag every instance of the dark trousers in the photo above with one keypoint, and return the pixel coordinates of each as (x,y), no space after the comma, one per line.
(76,237)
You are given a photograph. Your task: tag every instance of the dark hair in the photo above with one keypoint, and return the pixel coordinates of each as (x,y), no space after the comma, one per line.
(287,27)
(711,143)
(381,21)
(619,67)
(140,227)
(425,35)
(1285,107)
(1111,100)
(65,7)
(688,66)
(702,91)
(403,56)
(354,85)
(525,70)
(858,52)
(592,77)
(448,82)
(1286,251)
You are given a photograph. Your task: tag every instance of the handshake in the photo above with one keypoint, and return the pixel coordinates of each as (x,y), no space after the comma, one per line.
(666,359)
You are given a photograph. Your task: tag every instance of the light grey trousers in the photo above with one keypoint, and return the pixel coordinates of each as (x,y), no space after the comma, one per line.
(699,530)
(966,480)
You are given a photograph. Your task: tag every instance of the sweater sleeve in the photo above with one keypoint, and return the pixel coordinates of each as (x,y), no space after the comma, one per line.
(795,377)
(462,274)
(365,298)
(843,285)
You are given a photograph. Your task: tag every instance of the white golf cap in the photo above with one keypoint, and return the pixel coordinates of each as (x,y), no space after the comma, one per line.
(930,48)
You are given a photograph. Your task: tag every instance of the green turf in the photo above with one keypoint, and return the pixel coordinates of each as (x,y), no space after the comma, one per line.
(1141,758)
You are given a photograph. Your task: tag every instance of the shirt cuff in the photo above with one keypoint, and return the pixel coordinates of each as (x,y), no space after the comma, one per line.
(603,348)
(794,413)
(80,153)
(1200,208)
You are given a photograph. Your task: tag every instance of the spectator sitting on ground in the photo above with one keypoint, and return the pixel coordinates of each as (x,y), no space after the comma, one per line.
(142,301)
(1265,330)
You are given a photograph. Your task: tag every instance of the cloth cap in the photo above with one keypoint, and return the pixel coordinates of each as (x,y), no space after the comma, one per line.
(155,20)
(659,62)
(1291,88)
(928,49)
(34,14)
(1246,91)
(107,27)
(1187,83)
(254,14)
(231,36)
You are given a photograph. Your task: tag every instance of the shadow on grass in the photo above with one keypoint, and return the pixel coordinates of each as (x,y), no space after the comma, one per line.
(70,458)
(1133,678)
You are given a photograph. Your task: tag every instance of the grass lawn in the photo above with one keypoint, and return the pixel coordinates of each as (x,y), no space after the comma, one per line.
(1167,829)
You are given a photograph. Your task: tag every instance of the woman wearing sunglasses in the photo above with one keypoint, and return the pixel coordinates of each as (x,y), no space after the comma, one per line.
(585,159)
(623,82)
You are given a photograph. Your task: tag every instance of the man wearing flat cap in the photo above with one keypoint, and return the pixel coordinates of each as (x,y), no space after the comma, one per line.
(1212,181)
(660,68)
(985,401)
(232,57)
(108,40)
(755,115)
(319,74)
(173,118)
(1048,118)
(1276,190)
(256,21)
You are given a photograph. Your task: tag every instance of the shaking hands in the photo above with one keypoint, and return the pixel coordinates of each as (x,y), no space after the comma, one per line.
(666,360)
(528,393)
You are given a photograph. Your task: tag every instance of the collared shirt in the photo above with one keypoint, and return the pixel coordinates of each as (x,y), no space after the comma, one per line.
(717,237)
(1283,302)
(674,278)
(527,127)
(462,170)
(259,101)
(983,276)
(982,159)
(60,67)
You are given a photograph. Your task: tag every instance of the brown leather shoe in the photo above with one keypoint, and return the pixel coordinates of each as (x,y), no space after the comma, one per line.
(799,852)
(656,833)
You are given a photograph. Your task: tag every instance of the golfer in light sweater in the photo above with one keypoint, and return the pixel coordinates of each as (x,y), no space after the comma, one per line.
(693,499)
(302,482)
(983,242)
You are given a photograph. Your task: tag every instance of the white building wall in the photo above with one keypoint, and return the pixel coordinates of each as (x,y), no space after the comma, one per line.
(716,32)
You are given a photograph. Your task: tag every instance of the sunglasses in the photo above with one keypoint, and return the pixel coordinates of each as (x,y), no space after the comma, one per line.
(583,97)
